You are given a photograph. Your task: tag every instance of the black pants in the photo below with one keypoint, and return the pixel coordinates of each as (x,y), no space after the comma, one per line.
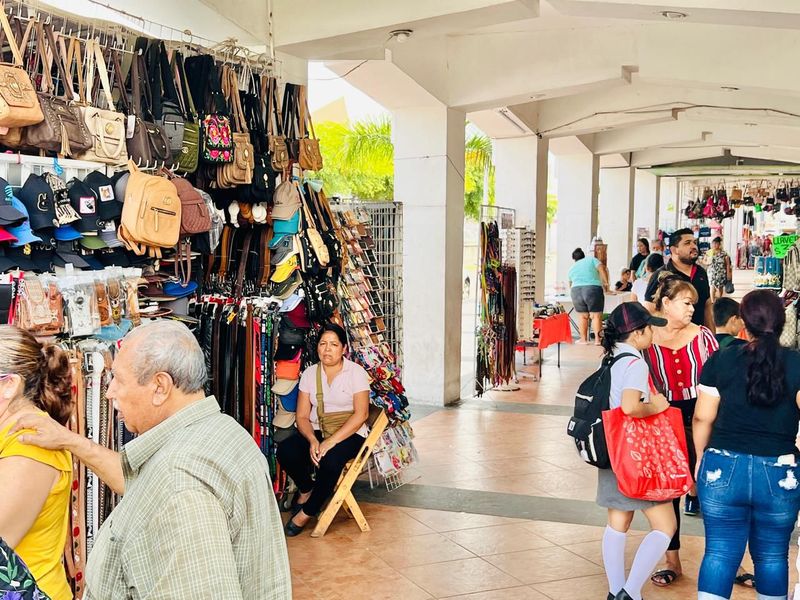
(293,454)
(675,544)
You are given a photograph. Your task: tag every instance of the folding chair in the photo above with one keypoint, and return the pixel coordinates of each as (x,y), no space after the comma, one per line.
(342,495)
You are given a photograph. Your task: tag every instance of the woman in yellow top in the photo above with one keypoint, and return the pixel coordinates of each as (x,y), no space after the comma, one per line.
(34,505)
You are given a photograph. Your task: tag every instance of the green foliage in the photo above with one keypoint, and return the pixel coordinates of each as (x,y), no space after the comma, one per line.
(359,162)
(552,208)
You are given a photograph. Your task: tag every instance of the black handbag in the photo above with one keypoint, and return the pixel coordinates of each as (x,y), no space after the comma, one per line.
(167,110)
(262,187)
(321,298)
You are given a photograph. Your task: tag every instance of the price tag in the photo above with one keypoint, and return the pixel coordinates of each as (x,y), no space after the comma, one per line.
(782,243)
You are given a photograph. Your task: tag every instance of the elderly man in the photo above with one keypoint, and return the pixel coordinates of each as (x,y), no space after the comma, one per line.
(198,518)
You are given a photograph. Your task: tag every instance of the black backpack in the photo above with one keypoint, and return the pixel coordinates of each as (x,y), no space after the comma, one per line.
(586,424)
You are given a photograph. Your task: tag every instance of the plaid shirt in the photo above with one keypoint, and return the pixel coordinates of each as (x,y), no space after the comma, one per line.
(198,519)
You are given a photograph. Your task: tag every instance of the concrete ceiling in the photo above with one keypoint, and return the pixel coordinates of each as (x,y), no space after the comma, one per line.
(636,86)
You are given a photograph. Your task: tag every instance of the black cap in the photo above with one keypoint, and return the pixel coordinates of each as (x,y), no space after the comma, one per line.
(9,216)
(287,351)
(6,263)
(630,316)
(22,258)
(37,197)
(109,205)
(85,202)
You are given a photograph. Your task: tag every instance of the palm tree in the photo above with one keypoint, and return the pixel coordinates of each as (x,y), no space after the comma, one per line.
(359,161)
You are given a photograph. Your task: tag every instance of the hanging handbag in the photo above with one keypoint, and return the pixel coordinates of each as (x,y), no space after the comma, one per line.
(329,422)
(63,130)
(321,298)
(187,160)
(240,170)
(310,157)
(19,104)
(168,110)
(105,125)
(788,337)
(291,118)
(262,187)
(39,307)
(276,140)
(648,455)
(148,145)
(12,138)
(216,145)
(314,238)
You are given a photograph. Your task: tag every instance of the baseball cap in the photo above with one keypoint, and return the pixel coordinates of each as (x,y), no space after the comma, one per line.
(109,203)
(10,215)
(23,231)
(630,316)
(23,259)
(5,236)
(37,197)
(287,351)
(120,183)
(109,235)
(283,387)
(291,226)
(93,242)
(284,250)
(66,254)
(286,288)
(283,418)
(287,369)
(277,239)
(84,201)
(291,302)
(65,214)
(8,264)
(298,317)
(285,269)
(289,401)
(287,201)
(66,233)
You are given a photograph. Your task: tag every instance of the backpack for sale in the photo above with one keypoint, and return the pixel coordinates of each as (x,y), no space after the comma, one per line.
(151,214)
(586,424)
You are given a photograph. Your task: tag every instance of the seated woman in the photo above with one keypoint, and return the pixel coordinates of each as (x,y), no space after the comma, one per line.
(329,442)
(34,509)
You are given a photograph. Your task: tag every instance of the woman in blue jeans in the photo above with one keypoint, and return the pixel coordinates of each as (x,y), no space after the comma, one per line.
(748,479)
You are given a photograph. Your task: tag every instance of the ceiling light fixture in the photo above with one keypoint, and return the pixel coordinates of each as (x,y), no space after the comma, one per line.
(401,35)
(673,15)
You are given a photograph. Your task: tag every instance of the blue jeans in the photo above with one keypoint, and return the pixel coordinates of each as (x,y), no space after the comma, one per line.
(753,499)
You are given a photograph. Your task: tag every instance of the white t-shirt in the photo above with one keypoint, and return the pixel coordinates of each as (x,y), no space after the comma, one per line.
(629,373)
(639,288)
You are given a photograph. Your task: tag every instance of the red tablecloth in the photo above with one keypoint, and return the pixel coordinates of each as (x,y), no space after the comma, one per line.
(553,330)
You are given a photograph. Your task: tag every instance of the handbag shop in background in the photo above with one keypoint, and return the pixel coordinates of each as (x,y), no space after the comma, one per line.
(149,179)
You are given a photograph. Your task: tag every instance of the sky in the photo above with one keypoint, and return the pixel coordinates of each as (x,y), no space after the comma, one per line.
(324,86)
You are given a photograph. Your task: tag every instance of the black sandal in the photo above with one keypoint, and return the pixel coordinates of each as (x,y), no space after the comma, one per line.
(745,580)
(668,575)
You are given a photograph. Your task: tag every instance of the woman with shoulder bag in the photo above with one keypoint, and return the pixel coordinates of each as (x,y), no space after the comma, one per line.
(628,332)
(332,411)
(745,424)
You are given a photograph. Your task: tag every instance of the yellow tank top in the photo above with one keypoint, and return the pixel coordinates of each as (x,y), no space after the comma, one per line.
(42,548)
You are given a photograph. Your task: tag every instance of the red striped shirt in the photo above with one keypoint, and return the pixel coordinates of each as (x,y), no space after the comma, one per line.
(677,372)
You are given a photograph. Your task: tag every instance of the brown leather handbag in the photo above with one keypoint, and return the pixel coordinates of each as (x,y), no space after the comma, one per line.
(276,141)
(149,145)
(240,171)
(19,105)
(310,157)
(62,130)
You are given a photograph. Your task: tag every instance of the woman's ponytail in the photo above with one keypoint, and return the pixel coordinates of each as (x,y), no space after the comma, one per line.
(56,382)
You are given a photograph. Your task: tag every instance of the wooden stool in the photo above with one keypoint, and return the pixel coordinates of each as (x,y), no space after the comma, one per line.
(343,495)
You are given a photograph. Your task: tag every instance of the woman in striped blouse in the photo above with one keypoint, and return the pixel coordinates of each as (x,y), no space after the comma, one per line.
(676,359)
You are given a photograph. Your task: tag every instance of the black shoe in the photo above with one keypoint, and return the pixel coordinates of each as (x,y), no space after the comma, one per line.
(291,530)
(623,595)
(692,506)
(610,596)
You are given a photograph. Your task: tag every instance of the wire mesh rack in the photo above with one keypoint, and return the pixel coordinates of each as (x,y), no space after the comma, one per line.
(386,223)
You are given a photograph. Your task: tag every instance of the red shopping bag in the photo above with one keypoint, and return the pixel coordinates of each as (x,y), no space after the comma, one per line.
(649,455)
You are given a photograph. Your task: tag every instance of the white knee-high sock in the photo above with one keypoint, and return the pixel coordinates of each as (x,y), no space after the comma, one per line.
(614,558)
(650,551)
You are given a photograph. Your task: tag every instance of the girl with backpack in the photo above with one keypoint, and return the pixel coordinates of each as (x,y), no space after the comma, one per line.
(628,331)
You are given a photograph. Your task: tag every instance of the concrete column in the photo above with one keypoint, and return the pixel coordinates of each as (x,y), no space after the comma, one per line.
(669,191)
(540,218)
(578,183)
(645,200)
(595,194)
(616,216)
(515,176)
(657,219)
(429,181)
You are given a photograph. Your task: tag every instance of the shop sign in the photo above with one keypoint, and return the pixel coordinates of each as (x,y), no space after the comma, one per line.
(782,243)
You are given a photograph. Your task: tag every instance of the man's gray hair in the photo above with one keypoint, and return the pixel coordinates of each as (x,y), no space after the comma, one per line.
(168,347)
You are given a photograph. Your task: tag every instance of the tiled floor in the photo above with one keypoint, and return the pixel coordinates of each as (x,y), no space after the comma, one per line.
(506,454)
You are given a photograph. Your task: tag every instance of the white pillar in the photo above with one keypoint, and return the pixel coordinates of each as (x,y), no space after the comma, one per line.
(645,202)
(540,218)
(669,193)
(515,176)
(429,181)
(657,216)
(616,216)
(578,175)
